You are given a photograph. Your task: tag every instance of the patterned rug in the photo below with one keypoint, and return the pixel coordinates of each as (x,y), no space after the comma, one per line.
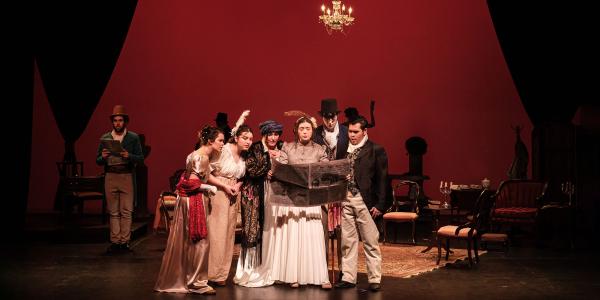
(402,261)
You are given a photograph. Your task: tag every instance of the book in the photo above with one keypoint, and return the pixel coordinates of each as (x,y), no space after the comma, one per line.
(113,146)
(115,149)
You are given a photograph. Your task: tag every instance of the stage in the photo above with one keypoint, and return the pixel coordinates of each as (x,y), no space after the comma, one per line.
(43,269)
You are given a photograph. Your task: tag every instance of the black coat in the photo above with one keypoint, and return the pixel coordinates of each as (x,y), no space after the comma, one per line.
(342,140)
(370,174)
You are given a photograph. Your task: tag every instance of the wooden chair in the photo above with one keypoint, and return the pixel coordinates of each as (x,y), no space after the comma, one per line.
(69,168)
(65,169)
(78,189)
(463,202)
(408,201)
(470,231)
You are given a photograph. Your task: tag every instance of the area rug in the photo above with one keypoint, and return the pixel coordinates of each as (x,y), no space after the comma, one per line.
(403,261)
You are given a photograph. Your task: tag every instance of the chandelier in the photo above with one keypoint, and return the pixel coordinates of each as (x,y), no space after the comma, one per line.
(336,18)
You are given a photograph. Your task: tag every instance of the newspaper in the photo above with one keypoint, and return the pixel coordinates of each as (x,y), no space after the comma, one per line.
(309,184)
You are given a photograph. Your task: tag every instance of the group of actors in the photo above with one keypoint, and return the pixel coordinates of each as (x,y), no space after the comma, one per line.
(280,244)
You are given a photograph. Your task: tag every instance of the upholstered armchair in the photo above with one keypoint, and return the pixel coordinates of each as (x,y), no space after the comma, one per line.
(518,201)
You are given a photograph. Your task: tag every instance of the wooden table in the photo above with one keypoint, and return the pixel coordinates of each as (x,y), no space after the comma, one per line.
(436,210)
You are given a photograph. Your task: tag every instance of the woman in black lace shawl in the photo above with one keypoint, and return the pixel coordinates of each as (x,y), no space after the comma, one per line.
(258,171)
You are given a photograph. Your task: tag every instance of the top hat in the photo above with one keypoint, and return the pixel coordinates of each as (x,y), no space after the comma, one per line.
(329,107)
(221,116)
(119,110)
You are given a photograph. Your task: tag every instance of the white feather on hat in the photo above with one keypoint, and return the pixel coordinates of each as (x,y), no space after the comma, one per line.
(240,121)
(300,114)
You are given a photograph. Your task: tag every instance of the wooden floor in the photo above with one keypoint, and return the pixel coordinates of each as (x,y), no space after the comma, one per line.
(43,269)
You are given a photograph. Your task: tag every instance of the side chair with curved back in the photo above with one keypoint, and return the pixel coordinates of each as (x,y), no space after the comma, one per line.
(471,231)
(408,201)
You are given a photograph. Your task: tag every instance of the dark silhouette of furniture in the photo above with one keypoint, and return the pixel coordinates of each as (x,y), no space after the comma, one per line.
(141,182)
(69,168)
(76,190)
(65,169)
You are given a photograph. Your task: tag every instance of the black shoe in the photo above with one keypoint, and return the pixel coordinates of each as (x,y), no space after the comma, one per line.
(125,247)
(344,285)
(374,287)
(113,248)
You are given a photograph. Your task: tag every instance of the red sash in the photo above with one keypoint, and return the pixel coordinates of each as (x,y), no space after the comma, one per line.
(196,215)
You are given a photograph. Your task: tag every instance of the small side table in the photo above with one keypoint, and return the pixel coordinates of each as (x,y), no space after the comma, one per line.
(436,210)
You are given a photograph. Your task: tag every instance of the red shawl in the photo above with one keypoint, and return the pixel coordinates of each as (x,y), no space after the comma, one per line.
(196,217)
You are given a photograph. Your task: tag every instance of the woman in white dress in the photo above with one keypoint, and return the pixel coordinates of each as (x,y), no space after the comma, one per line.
(228,170)
(184,267)
(297,248)
(258,216)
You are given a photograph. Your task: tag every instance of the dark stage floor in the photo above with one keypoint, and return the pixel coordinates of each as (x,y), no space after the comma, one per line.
(58,270)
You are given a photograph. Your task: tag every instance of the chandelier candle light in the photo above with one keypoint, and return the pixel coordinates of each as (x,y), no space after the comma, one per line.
(336,18)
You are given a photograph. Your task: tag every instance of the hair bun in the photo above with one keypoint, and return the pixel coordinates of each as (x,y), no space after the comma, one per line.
(204,134)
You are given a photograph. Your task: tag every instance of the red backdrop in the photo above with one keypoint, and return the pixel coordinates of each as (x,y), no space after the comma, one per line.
(435,69)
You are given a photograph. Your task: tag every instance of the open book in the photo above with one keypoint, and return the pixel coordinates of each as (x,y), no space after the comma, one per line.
(115,149)
(113,146)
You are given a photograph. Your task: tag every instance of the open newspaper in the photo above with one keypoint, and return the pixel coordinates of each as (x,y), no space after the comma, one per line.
(311,184)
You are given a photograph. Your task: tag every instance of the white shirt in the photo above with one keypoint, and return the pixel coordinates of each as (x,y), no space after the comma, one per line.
(117,137)
(351,147)
(331,137)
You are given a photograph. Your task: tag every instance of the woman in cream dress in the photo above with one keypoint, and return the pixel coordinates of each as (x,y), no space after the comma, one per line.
(228,170)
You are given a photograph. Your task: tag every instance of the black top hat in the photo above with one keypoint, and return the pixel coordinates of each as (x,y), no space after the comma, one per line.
(221,116)
(328,107)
